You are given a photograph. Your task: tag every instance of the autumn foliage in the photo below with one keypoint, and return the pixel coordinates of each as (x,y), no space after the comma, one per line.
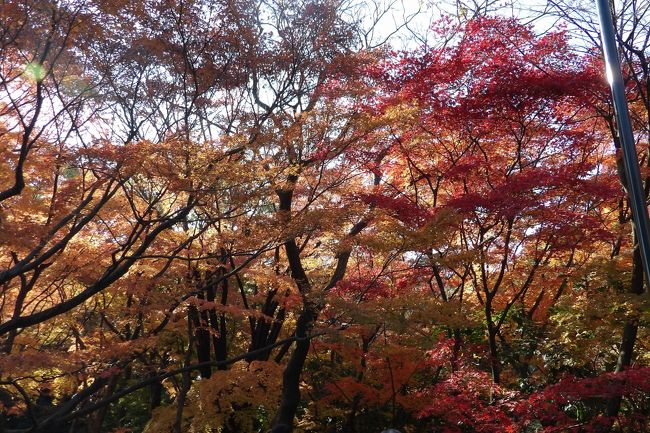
(242,216)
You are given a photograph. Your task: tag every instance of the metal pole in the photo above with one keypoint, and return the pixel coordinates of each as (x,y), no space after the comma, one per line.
(630,160)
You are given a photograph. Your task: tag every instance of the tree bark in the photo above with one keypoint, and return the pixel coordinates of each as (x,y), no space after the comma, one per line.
(290,399)
(630,329)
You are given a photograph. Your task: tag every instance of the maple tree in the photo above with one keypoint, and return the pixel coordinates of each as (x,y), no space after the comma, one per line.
(247,215)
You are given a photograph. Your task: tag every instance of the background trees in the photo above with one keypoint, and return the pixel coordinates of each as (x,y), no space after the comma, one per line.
(250,215)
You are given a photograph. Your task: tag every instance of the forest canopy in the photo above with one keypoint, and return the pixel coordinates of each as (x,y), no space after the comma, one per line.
(336,216)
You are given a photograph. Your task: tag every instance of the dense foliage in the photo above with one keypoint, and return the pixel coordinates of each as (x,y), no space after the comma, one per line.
(245,216)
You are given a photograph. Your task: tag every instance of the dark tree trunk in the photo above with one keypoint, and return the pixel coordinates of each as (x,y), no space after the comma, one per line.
(202,340)
(290,398)
(267,331)
(218,321)
(492,331)
(630,329)
(155,395)
(495,366)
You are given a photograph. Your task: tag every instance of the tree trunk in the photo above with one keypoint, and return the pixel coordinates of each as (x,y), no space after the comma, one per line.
(202,340)
(155,395)
(630,329)
(495,366)
(290,399)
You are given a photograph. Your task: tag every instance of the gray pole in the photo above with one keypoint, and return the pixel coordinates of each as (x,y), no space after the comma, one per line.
(630,160)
